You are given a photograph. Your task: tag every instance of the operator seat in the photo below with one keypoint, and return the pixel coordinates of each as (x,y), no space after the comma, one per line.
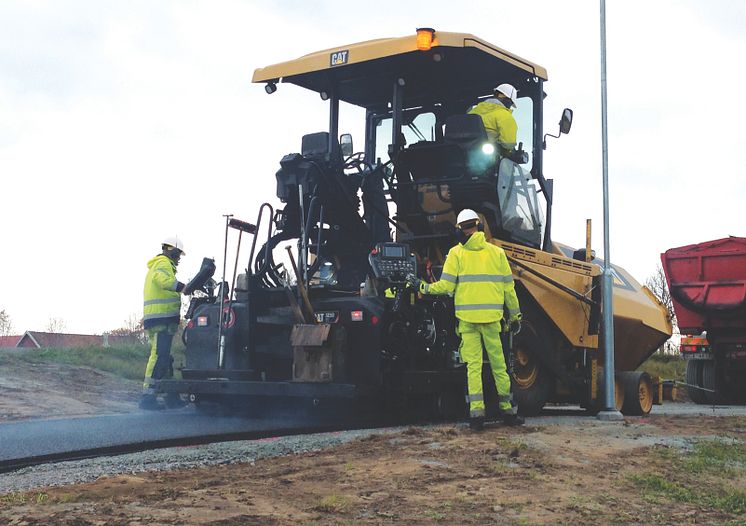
(430,161)
(467,130)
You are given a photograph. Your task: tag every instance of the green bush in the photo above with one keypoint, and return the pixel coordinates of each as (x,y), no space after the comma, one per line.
(667,366)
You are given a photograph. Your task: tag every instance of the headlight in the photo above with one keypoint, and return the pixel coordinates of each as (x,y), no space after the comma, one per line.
(488,148)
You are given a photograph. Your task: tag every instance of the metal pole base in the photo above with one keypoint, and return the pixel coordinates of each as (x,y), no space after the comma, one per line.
(610,416)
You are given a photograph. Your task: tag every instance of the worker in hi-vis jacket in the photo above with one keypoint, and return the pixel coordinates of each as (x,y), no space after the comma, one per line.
(479,276)
(161,311)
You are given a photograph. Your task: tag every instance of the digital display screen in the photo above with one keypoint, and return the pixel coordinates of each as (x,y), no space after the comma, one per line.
(393,251)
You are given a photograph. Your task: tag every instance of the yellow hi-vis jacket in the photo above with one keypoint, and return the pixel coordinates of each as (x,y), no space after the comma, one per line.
(480,274)
(162,298)
(498,122)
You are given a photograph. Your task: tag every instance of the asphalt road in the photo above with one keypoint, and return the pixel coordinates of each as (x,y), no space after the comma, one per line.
(54,437)
(47,438)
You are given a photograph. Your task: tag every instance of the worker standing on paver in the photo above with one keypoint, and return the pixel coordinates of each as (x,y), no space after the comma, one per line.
(161,311)
(479,274)
(497,116)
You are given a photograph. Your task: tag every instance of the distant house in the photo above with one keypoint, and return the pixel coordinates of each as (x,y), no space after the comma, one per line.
(38,340)
(9,341)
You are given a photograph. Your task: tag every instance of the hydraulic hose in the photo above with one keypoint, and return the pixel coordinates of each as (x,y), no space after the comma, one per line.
(258,225)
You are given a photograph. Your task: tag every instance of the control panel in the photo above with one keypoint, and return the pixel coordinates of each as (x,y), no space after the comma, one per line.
(392,262)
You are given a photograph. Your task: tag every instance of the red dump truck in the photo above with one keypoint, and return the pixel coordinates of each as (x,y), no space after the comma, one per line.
(707,282)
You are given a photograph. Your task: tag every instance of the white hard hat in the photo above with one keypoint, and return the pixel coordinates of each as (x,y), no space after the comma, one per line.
(509,91)
(466,215)
(174,242)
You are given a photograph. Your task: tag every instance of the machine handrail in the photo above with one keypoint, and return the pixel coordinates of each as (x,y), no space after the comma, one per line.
(269,233)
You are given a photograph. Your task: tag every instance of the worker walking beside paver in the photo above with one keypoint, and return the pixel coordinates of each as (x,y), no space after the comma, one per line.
(479,276)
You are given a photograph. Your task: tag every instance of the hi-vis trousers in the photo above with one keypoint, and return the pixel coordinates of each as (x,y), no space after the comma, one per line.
(473,335)
(159,363)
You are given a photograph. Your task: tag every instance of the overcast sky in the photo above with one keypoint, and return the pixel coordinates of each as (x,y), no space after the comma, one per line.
(122,123)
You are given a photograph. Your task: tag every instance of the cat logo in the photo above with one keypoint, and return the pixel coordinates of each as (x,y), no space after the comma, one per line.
(339,57)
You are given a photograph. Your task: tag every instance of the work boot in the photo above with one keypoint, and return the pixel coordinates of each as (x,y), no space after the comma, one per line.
(513,419)
(476,423)
(174,401)
(150,403)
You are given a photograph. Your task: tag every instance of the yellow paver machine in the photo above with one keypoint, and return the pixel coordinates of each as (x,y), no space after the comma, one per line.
(345,324)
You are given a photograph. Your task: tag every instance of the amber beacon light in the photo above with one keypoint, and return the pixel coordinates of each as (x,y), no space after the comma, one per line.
(425,36)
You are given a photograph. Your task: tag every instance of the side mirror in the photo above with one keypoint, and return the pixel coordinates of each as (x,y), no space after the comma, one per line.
(345,144)
(566,121)
(565,124)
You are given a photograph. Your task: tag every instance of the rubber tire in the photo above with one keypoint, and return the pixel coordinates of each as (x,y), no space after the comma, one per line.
(450,405)
(632,382)
(533,335)
(694,378)
(711,380)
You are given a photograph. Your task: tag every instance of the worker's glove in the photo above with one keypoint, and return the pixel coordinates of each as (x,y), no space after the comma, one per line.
(514,323)
(517,155)
(414,281)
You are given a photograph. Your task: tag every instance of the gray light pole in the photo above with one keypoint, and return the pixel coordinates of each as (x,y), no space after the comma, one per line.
(607,282)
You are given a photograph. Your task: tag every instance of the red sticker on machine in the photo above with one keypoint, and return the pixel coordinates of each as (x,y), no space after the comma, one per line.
(229,317)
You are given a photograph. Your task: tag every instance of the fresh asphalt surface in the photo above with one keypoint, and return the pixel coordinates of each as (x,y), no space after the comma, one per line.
(106,433)
(54,437)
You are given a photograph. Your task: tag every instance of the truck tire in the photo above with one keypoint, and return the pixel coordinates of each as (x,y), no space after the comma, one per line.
(638,392)
(531,381)
(694,381)
(711,380)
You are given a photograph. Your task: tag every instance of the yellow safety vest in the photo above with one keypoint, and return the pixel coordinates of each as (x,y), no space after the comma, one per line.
(498,122)
(162,301)
(480,275)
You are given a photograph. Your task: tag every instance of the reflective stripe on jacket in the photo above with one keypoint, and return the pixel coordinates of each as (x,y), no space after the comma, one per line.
(480,275)
(498,122)
(162,301)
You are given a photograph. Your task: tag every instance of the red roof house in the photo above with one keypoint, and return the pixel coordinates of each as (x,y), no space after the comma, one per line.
(9,341)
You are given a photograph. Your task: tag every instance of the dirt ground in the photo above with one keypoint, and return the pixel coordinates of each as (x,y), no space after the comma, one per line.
(648,470)
(585,473)
(58,390)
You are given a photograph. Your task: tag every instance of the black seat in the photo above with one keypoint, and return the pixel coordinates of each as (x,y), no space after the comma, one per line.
(431,161)
(467,130)
(458,156)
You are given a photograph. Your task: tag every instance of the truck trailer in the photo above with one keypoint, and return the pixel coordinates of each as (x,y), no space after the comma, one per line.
(707,283)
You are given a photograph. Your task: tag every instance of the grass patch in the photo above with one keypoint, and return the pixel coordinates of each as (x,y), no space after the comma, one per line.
(125,361)
(435,515)
(667,366)
(12,499)
(19,499)
(724,499)
(332,504)
(716,457)
(697,476)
